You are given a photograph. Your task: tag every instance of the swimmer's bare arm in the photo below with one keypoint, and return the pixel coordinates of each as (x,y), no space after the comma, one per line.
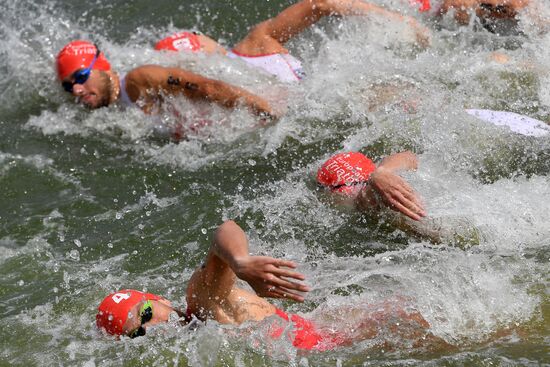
(400,161)
(270,35)
(394,191)
(229,257)
(151,81)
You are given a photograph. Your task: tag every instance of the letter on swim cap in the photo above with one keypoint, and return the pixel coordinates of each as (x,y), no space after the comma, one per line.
(345,168)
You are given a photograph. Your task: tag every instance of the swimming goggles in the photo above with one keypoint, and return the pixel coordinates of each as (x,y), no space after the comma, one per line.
(146,314)
(81,75)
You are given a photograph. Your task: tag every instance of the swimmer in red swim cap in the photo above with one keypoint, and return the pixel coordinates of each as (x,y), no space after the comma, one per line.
(486,10)
(84,72)
(358,181)
(213,293)
(90,78)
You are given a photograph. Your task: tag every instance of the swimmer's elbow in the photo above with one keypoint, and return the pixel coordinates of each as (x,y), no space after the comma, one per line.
(225,229)
(228,224)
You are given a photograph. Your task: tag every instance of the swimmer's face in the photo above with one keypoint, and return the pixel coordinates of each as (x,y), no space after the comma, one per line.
(95,92)
(160,310)
(346,195)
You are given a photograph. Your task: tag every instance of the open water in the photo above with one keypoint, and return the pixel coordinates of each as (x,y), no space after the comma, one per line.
(91,202)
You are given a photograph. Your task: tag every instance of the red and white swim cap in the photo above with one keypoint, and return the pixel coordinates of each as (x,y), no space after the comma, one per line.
(113,310)
(341,171)
(181,41)
(79,55)
(424,4)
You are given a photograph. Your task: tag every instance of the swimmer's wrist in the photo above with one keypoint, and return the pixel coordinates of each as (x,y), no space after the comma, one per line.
(237,263)
(380,170)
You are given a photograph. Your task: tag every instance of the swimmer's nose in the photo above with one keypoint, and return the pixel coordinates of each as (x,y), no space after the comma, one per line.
(78,90)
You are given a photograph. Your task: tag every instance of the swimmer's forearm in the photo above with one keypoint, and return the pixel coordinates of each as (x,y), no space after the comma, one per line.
(231,96)
(197,87)
(227,95)
(303,14)
(361,8)
(399,161)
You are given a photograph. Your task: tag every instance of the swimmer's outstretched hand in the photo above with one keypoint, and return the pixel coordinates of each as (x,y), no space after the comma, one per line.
(270,277)
(397,193)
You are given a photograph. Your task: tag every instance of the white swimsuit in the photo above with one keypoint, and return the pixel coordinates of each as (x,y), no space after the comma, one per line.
(517,123)
(123,94)
(284,66)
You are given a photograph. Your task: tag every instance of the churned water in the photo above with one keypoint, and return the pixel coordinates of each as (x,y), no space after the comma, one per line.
(92,202)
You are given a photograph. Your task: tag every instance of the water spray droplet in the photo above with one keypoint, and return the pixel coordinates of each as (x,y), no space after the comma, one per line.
(75,255)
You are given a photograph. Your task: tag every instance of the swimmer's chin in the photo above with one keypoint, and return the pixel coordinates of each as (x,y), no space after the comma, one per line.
(91,104)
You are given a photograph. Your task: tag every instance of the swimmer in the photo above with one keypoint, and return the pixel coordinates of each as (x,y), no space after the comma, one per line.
(213,294)
(486,10)
(355,180)
(495,15)
(84,71)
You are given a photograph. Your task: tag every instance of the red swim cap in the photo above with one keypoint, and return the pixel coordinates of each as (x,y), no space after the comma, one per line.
(181,41)
(113,310)
(424,4)
(78,55)
(342,170)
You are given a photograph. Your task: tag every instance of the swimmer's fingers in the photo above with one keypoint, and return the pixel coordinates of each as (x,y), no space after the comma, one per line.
(414,200)
(284,263)
(287,273)
(400,203)
(279,281)
(286,293)
(400,196)
(267,275)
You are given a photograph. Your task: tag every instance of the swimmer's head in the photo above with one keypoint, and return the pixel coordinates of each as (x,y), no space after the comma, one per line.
(345,173)
(130,312)
(78,55)
(85,73)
